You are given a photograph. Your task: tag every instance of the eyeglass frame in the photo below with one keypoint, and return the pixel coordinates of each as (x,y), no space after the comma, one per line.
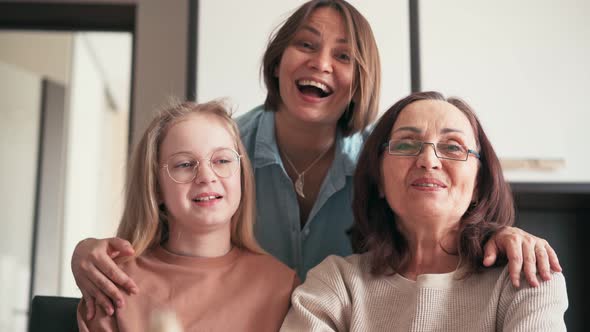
(469,151)
(198,163)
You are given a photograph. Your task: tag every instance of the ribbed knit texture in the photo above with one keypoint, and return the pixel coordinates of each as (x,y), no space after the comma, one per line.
(341,295)
(239,291)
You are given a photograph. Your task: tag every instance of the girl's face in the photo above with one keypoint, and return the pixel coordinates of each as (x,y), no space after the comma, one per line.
(426,186)
(316,71)
(209,201)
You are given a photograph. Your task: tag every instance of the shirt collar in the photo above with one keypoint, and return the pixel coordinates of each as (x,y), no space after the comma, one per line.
(267,153)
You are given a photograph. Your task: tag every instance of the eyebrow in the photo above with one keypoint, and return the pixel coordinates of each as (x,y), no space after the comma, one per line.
(319,34)
(193,155)
(419,131)
(180,152)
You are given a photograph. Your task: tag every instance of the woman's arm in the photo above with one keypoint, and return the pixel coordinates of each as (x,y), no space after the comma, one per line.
(522,250)
(98,276)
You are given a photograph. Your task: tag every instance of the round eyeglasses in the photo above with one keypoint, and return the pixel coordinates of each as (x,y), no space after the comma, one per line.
(183,167)
(410,147)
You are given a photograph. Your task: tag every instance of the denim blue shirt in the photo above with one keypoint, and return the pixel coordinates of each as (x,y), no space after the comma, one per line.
(278,228)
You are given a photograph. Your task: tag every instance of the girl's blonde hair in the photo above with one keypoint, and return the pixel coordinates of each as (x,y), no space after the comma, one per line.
(145,222)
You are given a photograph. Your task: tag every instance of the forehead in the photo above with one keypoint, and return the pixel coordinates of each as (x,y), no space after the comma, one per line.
(432,112)
(434,116)
(197,133)
(324,19)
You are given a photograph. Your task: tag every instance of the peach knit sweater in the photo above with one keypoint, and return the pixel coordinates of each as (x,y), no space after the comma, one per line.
(240,291)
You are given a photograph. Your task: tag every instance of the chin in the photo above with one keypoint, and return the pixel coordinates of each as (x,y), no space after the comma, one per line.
(214,222)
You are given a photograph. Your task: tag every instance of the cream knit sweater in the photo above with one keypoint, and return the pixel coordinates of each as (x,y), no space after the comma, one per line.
(341,295)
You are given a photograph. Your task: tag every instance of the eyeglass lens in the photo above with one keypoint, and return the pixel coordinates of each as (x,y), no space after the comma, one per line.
(407,147)
(184,167)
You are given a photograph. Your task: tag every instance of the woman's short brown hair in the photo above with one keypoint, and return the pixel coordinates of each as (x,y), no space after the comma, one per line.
(376,230)
(364,104)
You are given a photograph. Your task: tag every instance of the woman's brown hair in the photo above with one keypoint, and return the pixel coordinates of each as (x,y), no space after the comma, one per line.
(364,104)
(376,230)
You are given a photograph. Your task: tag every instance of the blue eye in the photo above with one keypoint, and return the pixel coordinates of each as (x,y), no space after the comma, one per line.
(186,164)
(221,161)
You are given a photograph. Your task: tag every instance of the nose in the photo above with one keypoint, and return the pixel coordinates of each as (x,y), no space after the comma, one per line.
(205,173)
(427,158)
(321,61)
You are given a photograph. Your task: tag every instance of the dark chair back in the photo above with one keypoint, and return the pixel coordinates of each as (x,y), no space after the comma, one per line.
(53,313)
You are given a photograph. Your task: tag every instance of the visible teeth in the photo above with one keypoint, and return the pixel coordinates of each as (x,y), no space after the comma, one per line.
(205,198)
(427,185)
(318,85)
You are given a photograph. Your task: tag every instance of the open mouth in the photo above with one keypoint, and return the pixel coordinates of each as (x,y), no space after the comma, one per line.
(206,198)
(313,88)
(428,185)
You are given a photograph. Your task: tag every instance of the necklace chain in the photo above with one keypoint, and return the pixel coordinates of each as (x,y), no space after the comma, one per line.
(300,175)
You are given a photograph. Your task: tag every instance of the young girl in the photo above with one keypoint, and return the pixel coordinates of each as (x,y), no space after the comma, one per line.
(188,214)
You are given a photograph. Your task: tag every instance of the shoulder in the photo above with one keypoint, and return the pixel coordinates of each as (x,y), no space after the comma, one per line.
(553,290)
(139,266)
(528,308)
(557,282)
(266,268)
(333,284)
(337,270)
(249,121)
(352,145)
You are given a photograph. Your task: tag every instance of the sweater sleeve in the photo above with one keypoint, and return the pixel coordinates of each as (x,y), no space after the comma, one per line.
(320,303)
(534,309)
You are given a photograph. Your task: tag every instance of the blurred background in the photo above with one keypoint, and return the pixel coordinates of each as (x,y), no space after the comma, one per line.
(80,80)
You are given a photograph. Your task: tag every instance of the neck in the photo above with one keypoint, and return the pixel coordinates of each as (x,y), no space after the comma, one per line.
(432,247)
(300,141)
(207,243)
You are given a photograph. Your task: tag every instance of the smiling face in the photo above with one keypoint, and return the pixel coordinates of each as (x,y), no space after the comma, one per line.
(209,201)
(316,71)
(425,186)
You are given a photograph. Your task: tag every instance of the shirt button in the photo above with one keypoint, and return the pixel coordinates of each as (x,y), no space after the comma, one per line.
(306,232)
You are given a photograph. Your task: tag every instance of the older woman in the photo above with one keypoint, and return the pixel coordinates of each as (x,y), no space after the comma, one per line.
(429,192)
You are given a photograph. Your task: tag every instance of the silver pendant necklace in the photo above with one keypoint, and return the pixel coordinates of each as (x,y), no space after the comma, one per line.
(301,175)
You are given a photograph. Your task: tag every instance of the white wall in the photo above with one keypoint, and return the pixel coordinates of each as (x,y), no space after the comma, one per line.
(524,66)
(232,42)
(47,53)
(97,145)
(160,66)
(112,59)
(90,204)
(20,100)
